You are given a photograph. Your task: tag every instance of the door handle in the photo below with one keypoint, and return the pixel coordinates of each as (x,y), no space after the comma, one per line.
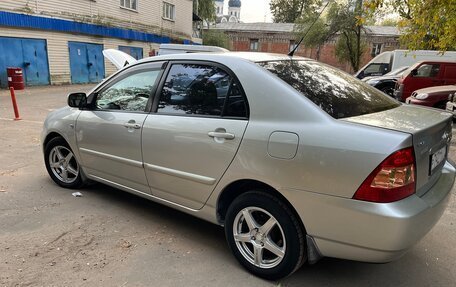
(132,125)
(222,135)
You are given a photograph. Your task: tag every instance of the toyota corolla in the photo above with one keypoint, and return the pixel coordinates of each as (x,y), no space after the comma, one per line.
(296,159)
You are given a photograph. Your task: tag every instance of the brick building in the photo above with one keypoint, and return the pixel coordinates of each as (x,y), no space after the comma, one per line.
(61,41)
(280,38)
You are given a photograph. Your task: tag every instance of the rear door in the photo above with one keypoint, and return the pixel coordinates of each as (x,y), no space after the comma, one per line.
(109,133)
(190,140)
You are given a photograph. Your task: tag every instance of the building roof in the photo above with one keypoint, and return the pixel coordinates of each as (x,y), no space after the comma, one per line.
(234,3)
(265,27)
(289,28)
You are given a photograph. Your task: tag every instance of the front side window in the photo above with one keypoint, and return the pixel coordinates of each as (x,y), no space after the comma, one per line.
(194,89)
(428,71)
(168,11)
(335,92)
(128,94)
(129,4)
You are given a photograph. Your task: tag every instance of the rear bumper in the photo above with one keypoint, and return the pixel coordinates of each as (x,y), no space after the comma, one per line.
(371,232)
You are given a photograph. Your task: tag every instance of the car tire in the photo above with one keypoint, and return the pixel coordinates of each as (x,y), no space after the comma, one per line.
(61,164)
(389,90)
(264,235)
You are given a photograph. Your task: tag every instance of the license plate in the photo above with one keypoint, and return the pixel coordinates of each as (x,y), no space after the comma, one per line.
(437,158)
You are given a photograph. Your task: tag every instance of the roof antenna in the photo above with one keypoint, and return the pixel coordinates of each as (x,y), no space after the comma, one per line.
(300,41)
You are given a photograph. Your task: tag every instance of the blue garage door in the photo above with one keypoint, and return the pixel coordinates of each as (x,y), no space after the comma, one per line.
(28,54)
(135,52)
(86,62)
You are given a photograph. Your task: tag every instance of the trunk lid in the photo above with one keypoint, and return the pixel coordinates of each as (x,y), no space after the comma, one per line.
(431,132)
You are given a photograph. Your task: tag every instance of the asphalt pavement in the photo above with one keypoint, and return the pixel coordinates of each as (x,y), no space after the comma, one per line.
(48,237)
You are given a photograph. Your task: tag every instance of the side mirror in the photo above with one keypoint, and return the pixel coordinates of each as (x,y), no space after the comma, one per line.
(414,72)
(77,100)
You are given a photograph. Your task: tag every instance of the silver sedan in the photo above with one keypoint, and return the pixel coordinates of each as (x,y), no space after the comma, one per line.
(297,160)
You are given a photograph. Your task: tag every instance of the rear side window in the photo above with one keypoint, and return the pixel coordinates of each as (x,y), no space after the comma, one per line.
(194,89)
(335,92)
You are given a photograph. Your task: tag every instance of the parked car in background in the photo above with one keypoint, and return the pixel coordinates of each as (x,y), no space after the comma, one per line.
(436,97)
(451,105)
(392,60)
(296,159)
(423,75)
(387,82)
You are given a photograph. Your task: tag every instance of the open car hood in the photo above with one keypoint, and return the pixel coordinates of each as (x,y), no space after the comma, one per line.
(119,58)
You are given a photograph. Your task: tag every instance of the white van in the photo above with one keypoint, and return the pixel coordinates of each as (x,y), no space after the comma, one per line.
(392,60)
(166,49)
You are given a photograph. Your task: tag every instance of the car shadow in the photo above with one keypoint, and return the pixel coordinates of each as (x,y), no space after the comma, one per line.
(414,268)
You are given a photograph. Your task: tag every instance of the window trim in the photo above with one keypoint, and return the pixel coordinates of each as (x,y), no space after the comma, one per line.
(174,11)
(129,8)
(122,74)
(164,76)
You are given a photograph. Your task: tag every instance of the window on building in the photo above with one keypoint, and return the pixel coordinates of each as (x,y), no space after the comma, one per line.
(376,49)
(168,11)
(253,44)
(218,10)
(129,4)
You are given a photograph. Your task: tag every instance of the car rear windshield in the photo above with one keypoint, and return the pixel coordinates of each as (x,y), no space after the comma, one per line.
(334,91)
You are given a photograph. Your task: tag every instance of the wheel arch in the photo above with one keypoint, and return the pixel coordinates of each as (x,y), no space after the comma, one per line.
(238,187)
(50,136)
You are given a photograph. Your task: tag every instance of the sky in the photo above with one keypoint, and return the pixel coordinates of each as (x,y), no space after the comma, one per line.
(253,11)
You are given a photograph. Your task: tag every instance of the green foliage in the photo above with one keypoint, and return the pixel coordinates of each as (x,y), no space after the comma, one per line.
(289,11)
(341,20)
(205,9)
(218,38)
(389,22)
(424,24)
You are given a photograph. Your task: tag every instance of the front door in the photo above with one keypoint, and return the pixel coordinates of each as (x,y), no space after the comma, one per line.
(194,135)
(109,135)
(427,75)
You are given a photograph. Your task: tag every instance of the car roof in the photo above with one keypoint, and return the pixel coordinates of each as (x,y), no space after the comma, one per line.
(215,56)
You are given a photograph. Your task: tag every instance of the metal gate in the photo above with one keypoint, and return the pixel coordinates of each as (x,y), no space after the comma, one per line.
(28,54)
(86,62)
(135,52)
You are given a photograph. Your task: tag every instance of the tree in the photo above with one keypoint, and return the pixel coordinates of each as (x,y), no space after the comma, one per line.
(205,9)
(341,21)
(389,22)
(288,11)
(213,37)
(427,24)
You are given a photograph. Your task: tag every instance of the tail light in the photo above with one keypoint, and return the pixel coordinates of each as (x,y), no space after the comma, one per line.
(392,180)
